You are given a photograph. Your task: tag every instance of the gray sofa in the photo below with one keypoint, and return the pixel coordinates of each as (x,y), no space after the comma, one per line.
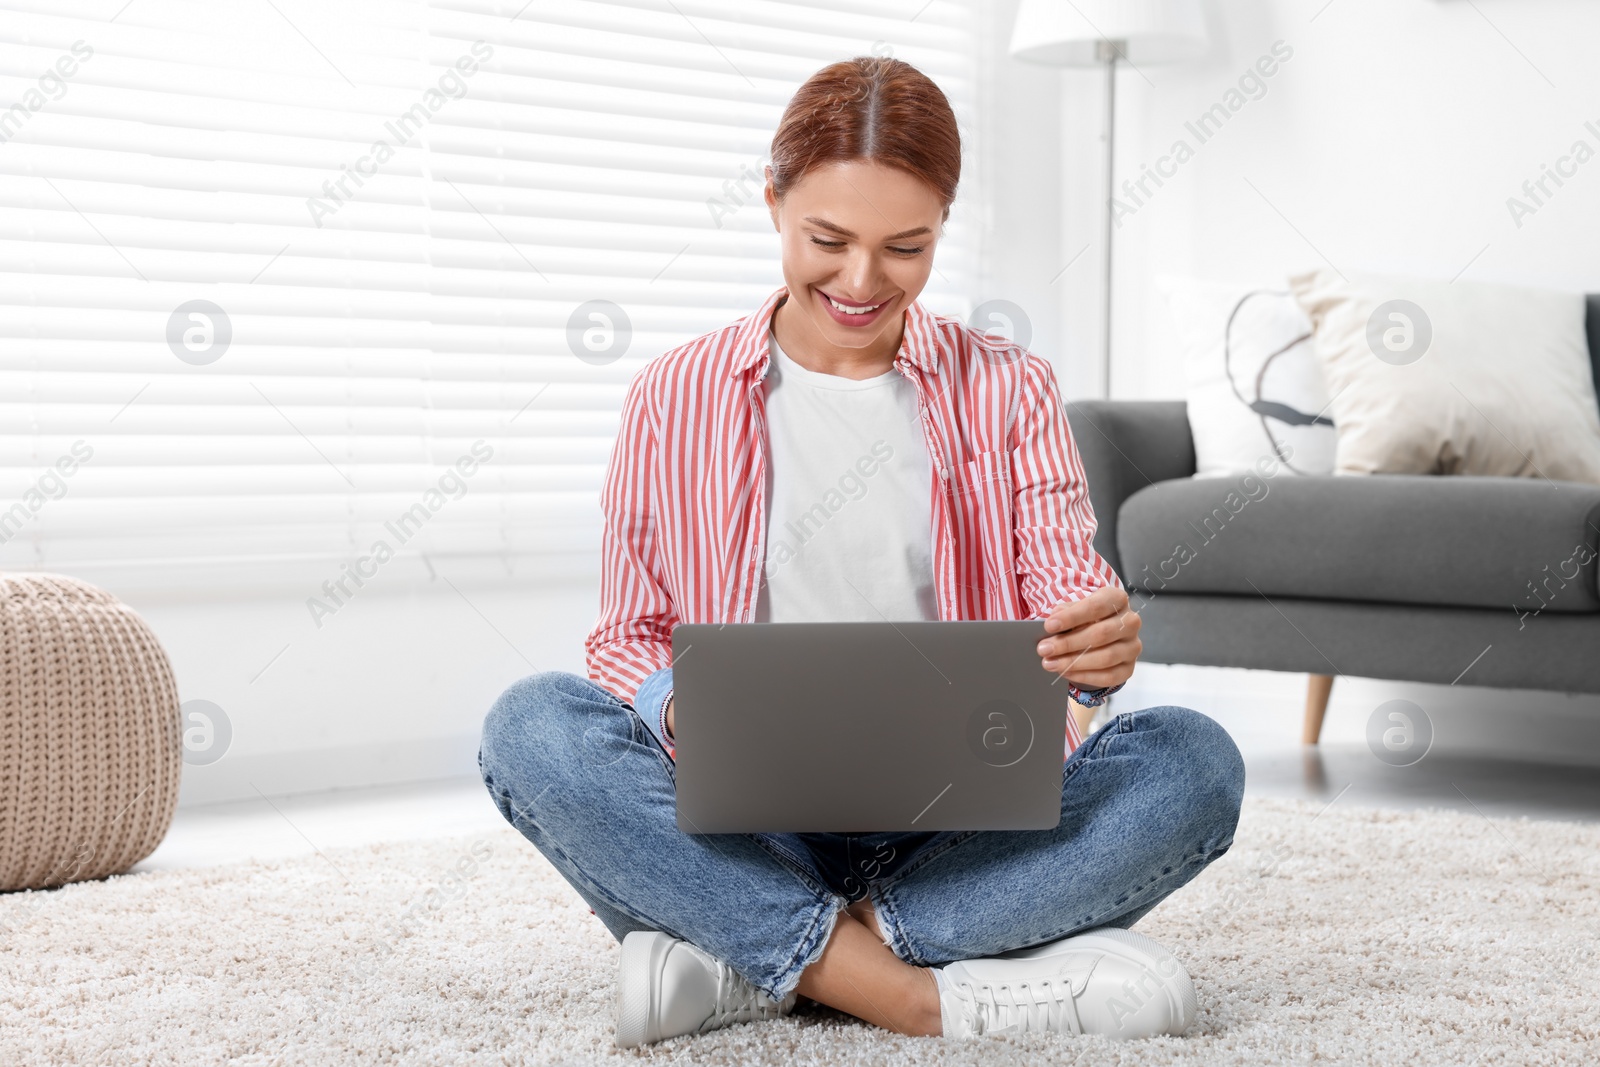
(1477,581)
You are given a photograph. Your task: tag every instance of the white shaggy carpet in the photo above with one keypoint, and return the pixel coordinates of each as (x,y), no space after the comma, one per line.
(1349,936)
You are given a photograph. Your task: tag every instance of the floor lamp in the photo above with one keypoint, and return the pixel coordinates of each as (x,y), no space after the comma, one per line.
(1104,33)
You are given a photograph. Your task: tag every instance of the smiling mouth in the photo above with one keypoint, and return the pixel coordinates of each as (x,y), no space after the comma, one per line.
(850,309)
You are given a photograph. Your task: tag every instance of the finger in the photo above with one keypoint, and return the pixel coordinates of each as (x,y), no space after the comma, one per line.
(1103,632)
(1105,657)
(1071,613)
(1097,679)
(1098,659)
(1103,602)
(1116,628)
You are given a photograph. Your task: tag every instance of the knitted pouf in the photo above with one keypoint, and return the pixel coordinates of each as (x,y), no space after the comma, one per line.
(90,742)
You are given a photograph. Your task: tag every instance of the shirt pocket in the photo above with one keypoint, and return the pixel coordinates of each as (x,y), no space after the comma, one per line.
(983,502)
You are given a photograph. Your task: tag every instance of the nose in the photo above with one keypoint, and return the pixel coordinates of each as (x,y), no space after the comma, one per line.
(859,278)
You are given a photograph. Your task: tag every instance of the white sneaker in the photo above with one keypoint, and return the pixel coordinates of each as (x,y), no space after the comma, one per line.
(667,988)
(1107,981)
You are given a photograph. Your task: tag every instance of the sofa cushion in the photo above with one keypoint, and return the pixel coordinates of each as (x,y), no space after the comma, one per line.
(1434,377)
(1519,543)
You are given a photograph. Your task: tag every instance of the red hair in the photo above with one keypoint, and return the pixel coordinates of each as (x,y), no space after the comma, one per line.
(869,108)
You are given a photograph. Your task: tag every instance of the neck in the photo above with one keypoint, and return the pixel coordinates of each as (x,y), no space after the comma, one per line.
(802,342)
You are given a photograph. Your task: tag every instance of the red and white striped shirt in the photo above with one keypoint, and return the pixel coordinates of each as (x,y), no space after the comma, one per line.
(685,525)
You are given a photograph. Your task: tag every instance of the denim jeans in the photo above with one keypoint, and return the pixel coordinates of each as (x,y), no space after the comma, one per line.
(1147,801)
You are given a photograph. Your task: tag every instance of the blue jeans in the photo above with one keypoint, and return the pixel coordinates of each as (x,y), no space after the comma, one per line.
(1147,801)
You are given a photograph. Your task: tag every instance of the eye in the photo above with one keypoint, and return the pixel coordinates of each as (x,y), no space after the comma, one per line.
(826,244)
(908,251)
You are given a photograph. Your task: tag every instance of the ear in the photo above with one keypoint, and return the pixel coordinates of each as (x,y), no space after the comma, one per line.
(771,197)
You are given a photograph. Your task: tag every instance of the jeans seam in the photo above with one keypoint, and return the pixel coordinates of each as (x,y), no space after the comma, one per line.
(1118,726)
(881,893)
(608,694)
(640,734)
(643,736)
(806,878)
(812,945)
(893,932)
(923,857)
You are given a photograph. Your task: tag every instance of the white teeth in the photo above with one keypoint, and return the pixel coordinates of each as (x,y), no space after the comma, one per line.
(851,310)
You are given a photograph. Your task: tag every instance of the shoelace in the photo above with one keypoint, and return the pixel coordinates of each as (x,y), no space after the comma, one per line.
(738,1001)
(1034,1014)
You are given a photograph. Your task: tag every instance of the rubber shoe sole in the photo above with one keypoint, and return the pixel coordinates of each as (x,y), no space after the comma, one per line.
(637,992)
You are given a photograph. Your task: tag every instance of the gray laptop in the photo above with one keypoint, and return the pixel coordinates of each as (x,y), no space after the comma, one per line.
(863,727)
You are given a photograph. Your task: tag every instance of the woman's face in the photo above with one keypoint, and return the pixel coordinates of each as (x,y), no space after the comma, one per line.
(858,242)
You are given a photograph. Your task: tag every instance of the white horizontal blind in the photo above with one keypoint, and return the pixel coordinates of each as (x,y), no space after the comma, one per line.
(399,207)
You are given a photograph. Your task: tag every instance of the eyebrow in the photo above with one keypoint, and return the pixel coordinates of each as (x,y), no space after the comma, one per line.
(842,232)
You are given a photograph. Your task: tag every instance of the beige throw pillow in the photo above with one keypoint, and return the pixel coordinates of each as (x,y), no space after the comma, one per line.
(1433,377)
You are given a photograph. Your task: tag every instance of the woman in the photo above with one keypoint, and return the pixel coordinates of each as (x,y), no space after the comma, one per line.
(972,505)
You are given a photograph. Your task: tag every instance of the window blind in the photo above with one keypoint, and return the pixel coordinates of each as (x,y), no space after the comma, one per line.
(289,291)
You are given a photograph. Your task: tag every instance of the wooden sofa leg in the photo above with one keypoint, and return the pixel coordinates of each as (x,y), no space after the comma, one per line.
(1318,688)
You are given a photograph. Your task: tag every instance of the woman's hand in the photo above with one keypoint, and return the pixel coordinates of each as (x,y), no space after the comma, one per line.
(670,731)
(1094,642)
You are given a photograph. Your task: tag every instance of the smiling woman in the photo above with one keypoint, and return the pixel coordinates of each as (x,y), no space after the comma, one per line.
(977,509)
(865,165)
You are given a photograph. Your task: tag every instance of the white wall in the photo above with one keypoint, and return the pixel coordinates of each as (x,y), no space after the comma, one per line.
(1019,167)
(1391,140)
(392,688)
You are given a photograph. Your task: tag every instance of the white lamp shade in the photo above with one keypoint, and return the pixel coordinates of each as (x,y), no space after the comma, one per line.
(1066,34)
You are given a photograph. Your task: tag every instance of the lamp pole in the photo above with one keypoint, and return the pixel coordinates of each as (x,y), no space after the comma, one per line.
(1106,33)
(1107,52)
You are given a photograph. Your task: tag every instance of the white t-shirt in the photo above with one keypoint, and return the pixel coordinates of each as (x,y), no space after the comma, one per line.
(848,506)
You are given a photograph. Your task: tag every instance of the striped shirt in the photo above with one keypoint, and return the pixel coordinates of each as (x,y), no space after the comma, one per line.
(684,540)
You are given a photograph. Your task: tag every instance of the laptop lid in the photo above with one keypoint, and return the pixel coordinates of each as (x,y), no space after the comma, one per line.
(866,727)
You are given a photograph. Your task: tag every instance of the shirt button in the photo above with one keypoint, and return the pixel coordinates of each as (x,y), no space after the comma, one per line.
(944,472)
